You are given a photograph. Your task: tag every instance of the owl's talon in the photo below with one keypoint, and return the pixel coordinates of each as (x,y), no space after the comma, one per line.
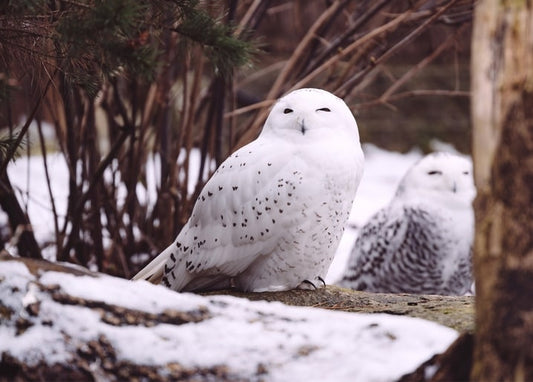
(308,283)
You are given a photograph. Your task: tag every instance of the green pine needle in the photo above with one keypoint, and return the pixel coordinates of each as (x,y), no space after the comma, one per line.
(7,143)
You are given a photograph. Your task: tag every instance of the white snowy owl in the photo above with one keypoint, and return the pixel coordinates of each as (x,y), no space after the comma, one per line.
(422,241)
(272,215)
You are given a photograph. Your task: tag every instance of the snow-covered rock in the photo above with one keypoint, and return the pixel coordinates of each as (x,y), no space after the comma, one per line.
(72,325)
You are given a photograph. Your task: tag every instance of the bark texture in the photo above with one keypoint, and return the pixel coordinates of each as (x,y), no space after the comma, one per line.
(502,115)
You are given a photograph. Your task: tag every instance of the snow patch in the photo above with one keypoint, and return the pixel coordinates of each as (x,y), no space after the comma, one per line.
(287,343)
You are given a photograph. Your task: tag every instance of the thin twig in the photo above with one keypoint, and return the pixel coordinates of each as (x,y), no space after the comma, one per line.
(336,43)
(350,48)
(348,84)
(111,155)
(49,184)
(422,64)
(246,109)
(413,93)
(247,17)
(260,72)
(302,46)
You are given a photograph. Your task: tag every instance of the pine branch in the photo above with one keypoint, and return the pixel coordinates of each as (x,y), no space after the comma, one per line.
(90,41)
(7,145)
(225,51)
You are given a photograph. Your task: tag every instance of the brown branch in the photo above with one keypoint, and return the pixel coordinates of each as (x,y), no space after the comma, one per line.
(78,209)
(186,139)
(348,84)
(259,120)
(410,94)
(422,64)
(260,72)
(350,48)
(246,109)
(300,49)
(49,184)
(336,43)
(247,17)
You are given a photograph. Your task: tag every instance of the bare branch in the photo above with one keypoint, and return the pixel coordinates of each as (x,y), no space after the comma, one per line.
(410,94)
(416,68)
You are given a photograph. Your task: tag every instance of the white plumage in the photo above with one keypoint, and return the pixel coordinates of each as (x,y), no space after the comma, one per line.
(272,215)
(422,241)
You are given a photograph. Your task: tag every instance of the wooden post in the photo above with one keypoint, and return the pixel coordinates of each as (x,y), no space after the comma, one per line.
(502,116)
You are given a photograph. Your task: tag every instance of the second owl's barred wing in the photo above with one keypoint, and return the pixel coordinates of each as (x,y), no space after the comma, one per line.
(376,242)
(401,253)
(461,281)
(238,216)
(416,266)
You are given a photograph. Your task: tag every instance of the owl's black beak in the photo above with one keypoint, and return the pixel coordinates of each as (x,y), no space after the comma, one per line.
(302,127)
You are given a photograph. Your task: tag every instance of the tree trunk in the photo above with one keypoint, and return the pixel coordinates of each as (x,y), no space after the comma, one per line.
(502,116)
(20,224)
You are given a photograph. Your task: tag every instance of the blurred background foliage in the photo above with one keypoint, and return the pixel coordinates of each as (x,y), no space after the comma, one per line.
(112,85)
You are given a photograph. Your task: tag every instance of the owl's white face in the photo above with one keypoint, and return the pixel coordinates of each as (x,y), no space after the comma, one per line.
(308,110)
(440,174)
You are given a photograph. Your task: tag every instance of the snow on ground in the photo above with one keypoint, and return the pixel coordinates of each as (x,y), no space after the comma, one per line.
(287,343)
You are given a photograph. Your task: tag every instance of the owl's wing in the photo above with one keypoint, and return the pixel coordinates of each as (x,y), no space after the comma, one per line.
(399,250)
(239,215)
(381,236)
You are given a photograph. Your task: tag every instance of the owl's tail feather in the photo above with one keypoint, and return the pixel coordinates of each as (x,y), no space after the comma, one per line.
(208,283)
(153,272)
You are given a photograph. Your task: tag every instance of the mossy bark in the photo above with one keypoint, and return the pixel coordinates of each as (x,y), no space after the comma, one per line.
(502,116)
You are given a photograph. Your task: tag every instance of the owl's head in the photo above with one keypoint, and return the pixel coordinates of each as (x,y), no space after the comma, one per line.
(439,175)
(306,111)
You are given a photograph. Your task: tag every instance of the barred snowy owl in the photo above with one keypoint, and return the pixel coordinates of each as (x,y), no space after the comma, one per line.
(422,241)
(272,215)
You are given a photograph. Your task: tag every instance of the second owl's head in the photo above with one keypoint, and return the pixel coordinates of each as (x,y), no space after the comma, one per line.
(439,175)
(306,110)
